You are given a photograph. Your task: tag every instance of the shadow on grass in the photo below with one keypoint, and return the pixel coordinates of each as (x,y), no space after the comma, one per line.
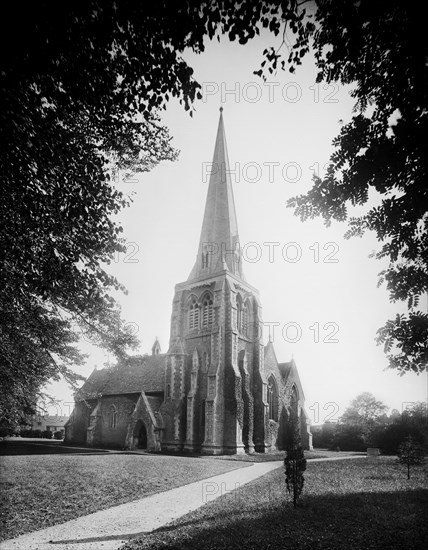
(387,520)
(17,447)
(39,447)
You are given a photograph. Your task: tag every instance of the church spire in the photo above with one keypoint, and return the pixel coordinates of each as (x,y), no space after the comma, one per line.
(219,242)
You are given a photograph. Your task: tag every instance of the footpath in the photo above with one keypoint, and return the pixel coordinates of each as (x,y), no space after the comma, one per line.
(109,529)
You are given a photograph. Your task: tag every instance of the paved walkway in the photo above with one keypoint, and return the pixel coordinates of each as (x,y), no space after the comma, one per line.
(109,529)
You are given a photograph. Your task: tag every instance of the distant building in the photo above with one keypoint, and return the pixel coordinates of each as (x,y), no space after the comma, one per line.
(218,389)
(51,423)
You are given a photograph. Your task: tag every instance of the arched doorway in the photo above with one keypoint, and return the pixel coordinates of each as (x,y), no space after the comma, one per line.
(140,435)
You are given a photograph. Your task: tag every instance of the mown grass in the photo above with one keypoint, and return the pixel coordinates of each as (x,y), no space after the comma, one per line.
(42,490)
(351,504)
(279,455)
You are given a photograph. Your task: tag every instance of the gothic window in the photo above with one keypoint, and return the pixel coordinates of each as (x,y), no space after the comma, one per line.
(244,319)
(168,390)
(272,398)
(294,402)
(239,313)
(193,315)
(113,417)
(207,312)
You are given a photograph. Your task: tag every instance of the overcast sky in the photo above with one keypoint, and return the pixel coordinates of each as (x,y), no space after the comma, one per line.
(318,291)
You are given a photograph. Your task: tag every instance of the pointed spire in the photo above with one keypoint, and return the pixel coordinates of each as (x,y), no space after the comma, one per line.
(156,349)
(219,242)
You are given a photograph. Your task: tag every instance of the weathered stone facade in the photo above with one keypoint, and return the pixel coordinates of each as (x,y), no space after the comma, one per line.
(218,389)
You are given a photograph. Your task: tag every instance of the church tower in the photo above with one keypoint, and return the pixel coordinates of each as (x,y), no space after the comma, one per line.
(215,399)
(218,389)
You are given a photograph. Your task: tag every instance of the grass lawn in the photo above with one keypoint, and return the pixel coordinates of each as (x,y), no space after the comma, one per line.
(350,504)
(279,455)
(40,490)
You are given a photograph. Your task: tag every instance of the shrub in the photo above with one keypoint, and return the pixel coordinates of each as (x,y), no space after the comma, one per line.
(36,433)
(390,437)
(322,436)
(47,434)
(59,434)
(294,462)
(5,431)
(349,437)
(410,453)
(295,465)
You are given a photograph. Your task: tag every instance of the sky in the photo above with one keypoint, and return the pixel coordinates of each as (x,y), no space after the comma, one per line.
(318,291)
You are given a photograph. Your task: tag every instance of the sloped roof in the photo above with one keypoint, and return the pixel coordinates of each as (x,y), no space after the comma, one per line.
(285,369)
(270,359)
(131,376)
(93,385)
(289,372)
(271,362)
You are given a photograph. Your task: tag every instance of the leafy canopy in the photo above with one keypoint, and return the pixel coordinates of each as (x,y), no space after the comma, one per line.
(364,410)
(81,84)
(382,151)
(77,92)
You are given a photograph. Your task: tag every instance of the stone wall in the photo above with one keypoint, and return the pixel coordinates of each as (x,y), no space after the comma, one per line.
(115,436)
(76,427)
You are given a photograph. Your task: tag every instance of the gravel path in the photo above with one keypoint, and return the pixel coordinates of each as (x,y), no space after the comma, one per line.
(109,529)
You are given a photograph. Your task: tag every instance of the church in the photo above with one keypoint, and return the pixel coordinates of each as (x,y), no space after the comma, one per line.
(218,389)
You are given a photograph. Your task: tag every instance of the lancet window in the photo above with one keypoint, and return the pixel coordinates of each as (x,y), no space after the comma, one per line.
(207,312)
(193,315)
(113,417)
(272,398)
(242,316)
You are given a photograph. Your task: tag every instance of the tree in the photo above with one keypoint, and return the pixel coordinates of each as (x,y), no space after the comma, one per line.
(365,410)
(81,84)
(389,438)
(410,454)
(349,437)
(359,423)
(382,151)
(415,414)
(323,435)
(388,432)
(65,115)
(294,461)
(394,416)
